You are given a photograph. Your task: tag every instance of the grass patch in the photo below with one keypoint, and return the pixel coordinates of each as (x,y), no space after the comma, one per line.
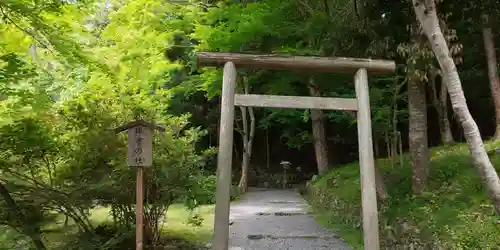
(175,228)
(454,212)
(176,222)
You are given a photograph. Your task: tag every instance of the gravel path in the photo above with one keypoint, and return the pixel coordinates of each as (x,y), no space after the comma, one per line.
(277,219)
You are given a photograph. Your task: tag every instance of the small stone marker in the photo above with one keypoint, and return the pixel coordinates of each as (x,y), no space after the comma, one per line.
(286,165)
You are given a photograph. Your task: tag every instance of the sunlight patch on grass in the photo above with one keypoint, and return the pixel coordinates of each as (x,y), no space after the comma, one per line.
(175,223)
(100,215)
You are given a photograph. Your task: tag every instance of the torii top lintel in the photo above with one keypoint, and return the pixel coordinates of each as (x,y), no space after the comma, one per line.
(296,63)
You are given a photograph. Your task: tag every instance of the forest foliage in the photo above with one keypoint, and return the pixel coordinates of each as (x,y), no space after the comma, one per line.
(71,71)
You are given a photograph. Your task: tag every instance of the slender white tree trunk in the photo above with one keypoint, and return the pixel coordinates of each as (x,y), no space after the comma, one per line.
(247,135)
(242,185)
(427,16)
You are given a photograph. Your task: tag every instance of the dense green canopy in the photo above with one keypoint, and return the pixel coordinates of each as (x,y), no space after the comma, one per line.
(72,70)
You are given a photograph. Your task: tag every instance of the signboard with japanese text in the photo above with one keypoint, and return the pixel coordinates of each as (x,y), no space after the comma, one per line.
(140,153)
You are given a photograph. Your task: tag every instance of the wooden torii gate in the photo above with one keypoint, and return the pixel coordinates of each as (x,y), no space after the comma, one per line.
(361,104)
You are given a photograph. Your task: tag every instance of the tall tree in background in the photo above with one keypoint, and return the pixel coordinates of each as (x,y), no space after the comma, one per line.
(418,57)
(491,58)
(419,148)
(318,131)
(247,135)
(440,103)
(315,10)
(426,13)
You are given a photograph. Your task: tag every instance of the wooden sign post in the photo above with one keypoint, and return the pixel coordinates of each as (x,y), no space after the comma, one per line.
(140,155)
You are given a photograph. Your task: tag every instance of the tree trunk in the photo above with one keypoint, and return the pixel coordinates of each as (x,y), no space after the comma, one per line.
(379,182)
(426,14)
(440,103)
(380,186)
(248,135)
(388,147)
(252,133)
(445,125)
(23,223)
(395,135)
(242,185)
(489,46)
(419,149)
(319,138)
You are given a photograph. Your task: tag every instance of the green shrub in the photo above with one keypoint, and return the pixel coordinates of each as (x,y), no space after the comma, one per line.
(205,189)
(10,239)
(453,213)
(72,161)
